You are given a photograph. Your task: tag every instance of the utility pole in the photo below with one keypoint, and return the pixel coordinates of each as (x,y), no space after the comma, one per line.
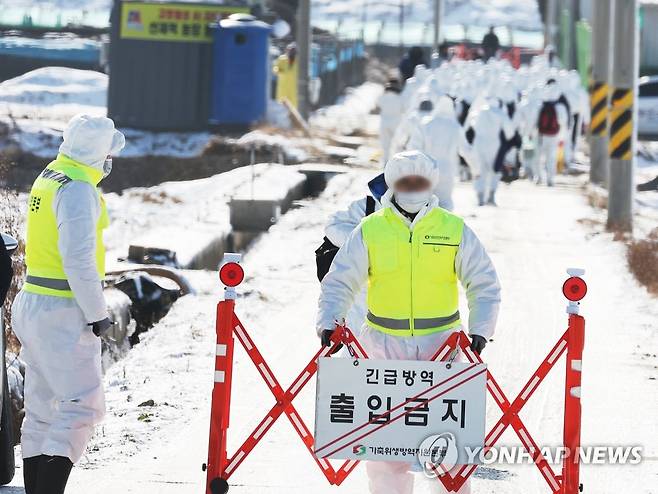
(599,90)
(574,6)
(549,23)
(303,56)
(623,133)
(438,13)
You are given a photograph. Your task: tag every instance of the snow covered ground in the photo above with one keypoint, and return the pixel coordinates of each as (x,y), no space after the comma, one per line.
(351,112)
(532,236)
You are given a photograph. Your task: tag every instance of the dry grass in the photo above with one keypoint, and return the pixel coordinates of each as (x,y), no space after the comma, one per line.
(11,222)
(158,197)
(642,258)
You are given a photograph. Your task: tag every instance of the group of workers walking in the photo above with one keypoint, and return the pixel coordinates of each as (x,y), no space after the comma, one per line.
(490,119)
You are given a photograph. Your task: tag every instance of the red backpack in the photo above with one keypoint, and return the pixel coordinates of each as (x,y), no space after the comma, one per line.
(548,124)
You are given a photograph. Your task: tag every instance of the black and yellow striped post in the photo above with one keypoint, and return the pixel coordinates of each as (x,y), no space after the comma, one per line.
(599,106)
(600,90)
(620,140)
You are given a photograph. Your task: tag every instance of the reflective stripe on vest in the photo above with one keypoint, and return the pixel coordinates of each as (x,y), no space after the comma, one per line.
(45,270)
(412,283)
(391,323)
(51,283)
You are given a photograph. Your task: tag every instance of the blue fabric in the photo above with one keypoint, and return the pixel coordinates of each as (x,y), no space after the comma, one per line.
(378,187)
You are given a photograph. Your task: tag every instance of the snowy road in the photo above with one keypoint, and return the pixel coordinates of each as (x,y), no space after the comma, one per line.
(532,236)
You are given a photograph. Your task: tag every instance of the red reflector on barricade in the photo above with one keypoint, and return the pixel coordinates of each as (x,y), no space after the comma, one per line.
(231,274)
(574,289)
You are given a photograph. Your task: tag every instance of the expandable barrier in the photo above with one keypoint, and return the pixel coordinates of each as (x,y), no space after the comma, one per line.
(221,465)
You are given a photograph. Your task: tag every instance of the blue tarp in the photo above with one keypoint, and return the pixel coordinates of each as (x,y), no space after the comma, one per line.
(64,49)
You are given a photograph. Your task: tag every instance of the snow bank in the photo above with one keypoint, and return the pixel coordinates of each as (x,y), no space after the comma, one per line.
(351,112)
(55,93)
(186,217)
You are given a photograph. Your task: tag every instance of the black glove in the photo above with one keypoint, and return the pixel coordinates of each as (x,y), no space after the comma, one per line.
(478,343)
(101,327)
(326,339)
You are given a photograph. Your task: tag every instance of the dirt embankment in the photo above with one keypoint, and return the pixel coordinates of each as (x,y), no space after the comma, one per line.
(145,171)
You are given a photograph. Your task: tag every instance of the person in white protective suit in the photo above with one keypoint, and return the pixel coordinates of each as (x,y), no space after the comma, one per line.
(442,138)
(578,100)
(528,114)
(376,255)
(552,126)
(487,130)
(413,85)
(390,113)
(412,120)
(60,313)
(338,230)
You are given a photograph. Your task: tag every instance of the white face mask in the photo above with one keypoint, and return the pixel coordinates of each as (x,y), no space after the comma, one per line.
(107,167)
(412,202)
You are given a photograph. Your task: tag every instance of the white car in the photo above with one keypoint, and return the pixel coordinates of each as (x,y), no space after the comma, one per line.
(647,126)
(6,432)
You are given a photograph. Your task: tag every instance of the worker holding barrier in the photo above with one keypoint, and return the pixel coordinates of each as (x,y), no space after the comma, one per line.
(410,255)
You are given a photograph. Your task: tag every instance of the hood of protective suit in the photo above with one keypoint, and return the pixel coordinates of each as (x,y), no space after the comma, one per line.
(410,163)
(89,140)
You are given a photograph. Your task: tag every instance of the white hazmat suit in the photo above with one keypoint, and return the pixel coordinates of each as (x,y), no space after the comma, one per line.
(390,112)
(348,276)
(63,380)
(338,229)
(488,124)
(442,138)
(547,145)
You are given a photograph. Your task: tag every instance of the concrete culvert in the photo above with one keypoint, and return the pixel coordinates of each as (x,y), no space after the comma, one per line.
(150,300)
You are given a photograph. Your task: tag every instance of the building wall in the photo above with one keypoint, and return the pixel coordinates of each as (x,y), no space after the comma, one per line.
(158,85)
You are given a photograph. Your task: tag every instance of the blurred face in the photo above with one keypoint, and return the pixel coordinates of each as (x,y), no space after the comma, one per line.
(412,183)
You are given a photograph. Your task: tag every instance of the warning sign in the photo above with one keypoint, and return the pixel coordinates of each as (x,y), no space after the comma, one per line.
(399,410)
(172,21)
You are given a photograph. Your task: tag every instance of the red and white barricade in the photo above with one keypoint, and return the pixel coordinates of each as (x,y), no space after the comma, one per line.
(221,465)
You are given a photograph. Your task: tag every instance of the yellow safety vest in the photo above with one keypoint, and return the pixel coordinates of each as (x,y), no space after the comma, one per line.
(45,270)
(412,283)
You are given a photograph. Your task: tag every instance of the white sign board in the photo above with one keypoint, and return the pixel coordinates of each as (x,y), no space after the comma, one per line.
(389,410)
